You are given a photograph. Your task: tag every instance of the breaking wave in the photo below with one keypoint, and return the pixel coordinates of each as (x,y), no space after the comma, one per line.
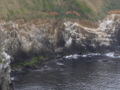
(76,56)
(112,55)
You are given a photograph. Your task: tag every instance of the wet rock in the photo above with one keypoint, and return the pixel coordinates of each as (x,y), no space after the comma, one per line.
(105,61)
(117,53)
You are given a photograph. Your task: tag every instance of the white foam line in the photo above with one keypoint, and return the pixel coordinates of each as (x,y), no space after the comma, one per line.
(111,54)
(58,63)
(76,56)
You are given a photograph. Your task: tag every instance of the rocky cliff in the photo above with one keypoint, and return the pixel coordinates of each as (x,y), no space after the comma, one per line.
(47,37)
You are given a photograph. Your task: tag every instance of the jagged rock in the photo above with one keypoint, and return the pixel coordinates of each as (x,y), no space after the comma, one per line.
(23,40)
(5,82)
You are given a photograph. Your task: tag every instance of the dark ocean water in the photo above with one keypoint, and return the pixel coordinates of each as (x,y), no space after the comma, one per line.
(75,72)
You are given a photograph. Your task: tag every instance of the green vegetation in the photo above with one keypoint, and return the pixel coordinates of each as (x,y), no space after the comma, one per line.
(0,48)
(54,56)
(30,9)
(23,64)
(41,57)
(33,61)
(81,7)
(0,60)
(111,5)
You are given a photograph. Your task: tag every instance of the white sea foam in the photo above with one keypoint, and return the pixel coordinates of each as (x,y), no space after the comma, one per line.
(76,56)
(58,63)
(83,55)
(72,56)
(45,68)
(12,78)
(111,54)
(94,54)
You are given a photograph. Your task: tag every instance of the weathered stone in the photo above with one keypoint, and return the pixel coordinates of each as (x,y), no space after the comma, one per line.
(5,82)
(53,36)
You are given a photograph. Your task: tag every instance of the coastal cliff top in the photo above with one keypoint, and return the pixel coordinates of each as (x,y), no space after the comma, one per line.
(80,9)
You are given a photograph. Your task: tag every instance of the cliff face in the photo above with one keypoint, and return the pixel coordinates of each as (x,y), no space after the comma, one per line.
(23,40)
(53,37)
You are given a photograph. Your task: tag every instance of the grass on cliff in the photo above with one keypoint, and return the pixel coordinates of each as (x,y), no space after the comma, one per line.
(30,9)
(0,57)
(33,62)
(0,60)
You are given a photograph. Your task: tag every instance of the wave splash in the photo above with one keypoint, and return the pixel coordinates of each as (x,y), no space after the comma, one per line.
(76,56)
(112,55)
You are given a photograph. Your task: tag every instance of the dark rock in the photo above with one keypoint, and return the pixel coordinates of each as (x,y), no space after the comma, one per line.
(117,53)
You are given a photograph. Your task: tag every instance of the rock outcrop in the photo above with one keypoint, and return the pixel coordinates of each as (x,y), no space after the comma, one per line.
(23,40)
(5,82)
(48,37)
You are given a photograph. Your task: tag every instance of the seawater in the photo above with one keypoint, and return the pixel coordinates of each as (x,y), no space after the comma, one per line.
(93,71)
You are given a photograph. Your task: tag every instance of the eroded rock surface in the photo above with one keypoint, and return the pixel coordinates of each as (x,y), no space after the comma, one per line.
(23,40)
(5,82)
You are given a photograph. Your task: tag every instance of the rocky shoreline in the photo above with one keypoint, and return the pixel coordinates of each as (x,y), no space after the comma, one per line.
(53,37)
(30,43)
